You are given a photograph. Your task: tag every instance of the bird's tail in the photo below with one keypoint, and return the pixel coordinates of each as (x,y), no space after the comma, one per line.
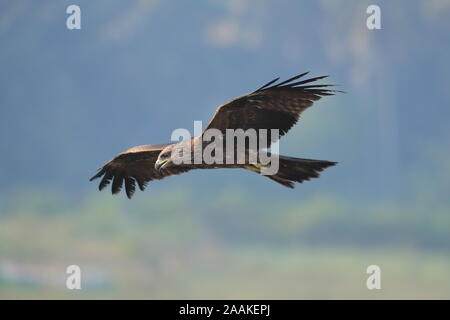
(297,170)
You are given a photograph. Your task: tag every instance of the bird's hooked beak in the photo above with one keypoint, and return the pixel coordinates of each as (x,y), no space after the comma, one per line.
(161,164)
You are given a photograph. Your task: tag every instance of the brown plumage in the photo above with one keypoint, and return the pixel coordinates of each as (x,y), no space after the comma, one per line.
(135,165)
(273,106)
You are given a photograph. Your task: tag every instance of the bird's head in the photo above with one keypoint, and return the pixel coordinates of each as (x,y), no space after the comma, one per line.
(173,154)
(164,158)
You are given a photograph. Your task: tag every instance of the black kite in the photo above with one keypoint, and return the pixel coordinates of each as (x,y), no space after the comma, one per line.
(273,106)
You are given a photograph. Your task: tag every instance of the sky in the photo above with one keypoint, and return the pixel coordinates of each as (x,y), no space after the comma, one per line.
(72,99)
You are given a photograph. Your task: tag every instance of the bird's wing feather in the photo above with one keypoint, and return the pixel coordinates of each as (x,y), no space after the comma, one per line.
(134,165)
(273,106)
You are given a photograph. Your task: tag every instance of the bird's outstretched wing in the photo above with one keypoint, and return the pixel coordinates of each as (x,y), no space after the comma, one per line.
(134,165)
(273,106)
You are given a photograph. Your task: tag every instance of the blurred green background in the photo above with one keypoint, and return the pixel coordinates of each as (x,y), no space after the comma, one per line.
(71,100)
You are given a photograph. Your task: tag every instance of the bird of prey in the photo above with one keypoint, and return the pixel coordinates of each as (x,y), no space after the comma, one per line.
(272,106)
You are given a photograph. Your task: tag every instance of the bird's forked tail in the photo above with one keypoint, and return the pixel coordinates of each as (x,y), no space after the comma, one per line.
(297,170)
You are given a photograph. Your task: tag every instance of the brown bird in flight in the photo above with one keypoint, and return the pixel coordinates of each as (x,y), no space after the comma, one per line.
(272,106)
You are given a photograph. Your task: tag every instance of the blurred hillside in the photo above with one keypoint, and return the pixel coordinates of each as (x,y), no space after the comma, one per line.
(170,245)
(71,100)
